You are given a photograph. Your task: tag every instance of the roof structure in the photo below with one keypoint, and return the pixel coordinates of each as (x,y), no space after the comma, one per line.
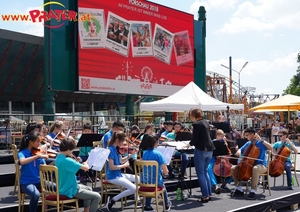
(22,73)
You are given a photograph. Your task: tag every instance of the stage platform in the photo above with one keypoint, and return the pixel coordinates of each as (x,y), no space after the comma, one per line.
(280,198)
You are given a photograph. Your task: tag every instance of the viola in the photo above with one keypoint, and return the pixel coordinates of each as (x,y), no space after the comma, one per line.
(243,171)
(277,164)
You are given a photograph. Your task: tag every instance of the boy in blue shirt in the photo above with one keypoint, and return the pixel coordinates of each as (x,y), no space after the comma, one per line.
(68,186)
(260,164)
(152,154)
(283,136)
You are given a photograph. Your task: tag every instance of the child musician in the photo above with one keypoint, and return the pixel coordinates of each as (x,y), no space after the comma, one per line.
(283,136)
(30,176)
(260,164)
(152,154)
(68,186)
(113,170)
(221,149)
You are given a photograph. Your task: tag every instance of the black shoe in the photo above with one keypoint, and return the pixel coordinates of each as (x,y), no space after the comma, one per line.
(218,190)
(171,176)
(181,177)
(238,193)
(290,188)
(225,189)
(110,203)
(148,208)
(251,195)
(265,185)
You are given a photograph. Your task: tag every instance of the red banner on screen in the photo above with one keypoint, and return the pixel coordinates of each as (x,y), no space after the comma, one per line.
(134,47)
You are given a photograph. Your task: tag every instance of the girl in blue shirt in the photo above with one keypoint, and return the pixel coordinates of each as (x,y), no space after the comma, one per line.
(113,169)
(30,176)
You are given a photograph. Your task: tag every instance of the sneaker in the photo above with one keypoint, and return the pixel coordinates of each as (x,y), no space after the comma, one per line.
(110,203)
(218,190)
(148,208)
(290,188)
(168,207)
(251,195)
(139,205)
(225,189)
(238,193)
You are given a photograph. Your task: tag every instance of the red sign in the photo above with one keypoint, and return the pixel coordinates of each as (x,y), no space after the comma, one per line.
(134,47)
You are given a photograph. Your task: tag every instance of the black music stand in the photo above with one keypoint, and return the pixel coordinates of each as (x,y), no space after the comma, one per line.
(183,184)
(86,140)
(241,141)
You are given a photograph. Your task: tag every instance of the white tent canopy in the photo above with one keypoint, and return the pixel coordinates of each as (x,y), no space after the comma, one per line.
(186,98)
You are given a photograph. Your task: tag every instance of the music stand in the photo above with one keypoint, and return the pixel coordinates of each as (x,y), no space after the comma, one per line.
(241,141)
(86,140)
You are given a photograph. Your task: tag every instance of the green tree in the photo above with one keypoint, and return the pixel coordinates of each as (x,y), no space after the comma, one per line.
(294,86)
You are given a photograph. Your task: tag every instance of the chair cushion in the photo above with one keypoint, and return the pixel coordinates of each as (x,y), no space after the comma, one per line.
(105,182)
(150,189)
(53,197)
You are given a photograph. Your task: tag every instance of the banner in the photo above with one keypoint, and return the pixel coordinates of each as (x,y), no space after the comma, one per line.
(144,48)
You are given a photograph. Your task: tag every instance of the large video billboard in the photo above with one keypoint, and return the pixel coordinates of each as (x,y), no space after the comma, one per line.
(134,47)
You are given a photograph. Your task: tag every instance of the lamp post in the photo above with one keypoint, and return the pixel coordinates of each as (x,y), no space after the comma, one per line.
(239,75)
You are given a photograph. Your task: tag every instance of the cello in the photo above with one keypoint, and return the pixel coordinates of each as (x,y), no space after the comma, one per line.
(243,171)
(222,166)
(277,164)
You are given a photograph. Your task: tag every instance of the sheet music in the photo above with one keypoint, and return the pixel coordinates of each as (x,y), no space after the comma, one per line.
(167,152)
(97,158)
(179,145)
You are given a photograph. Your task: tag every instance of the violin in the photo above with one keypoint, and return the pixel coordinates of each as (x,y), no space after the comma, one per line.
(78,159)
(243,171)
(41,151)
(261,130)
(135,140)
(61,135)
(127,148)
(277,164)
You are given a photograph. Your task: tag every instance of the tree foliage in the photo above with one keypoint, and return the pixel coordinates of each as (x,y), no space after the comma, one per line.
(294,86)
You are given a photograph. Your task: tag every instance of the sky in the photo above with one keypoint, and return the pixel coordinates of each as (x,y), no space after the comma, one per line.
(264,33)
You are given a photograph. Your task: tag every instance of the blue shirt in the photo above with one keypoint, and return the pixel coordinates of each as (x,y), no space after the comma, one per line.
(171,135)
(106,138)
(152,154)
(262,153)
(113,174)
(279,144)
(30,172)
(67,168)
